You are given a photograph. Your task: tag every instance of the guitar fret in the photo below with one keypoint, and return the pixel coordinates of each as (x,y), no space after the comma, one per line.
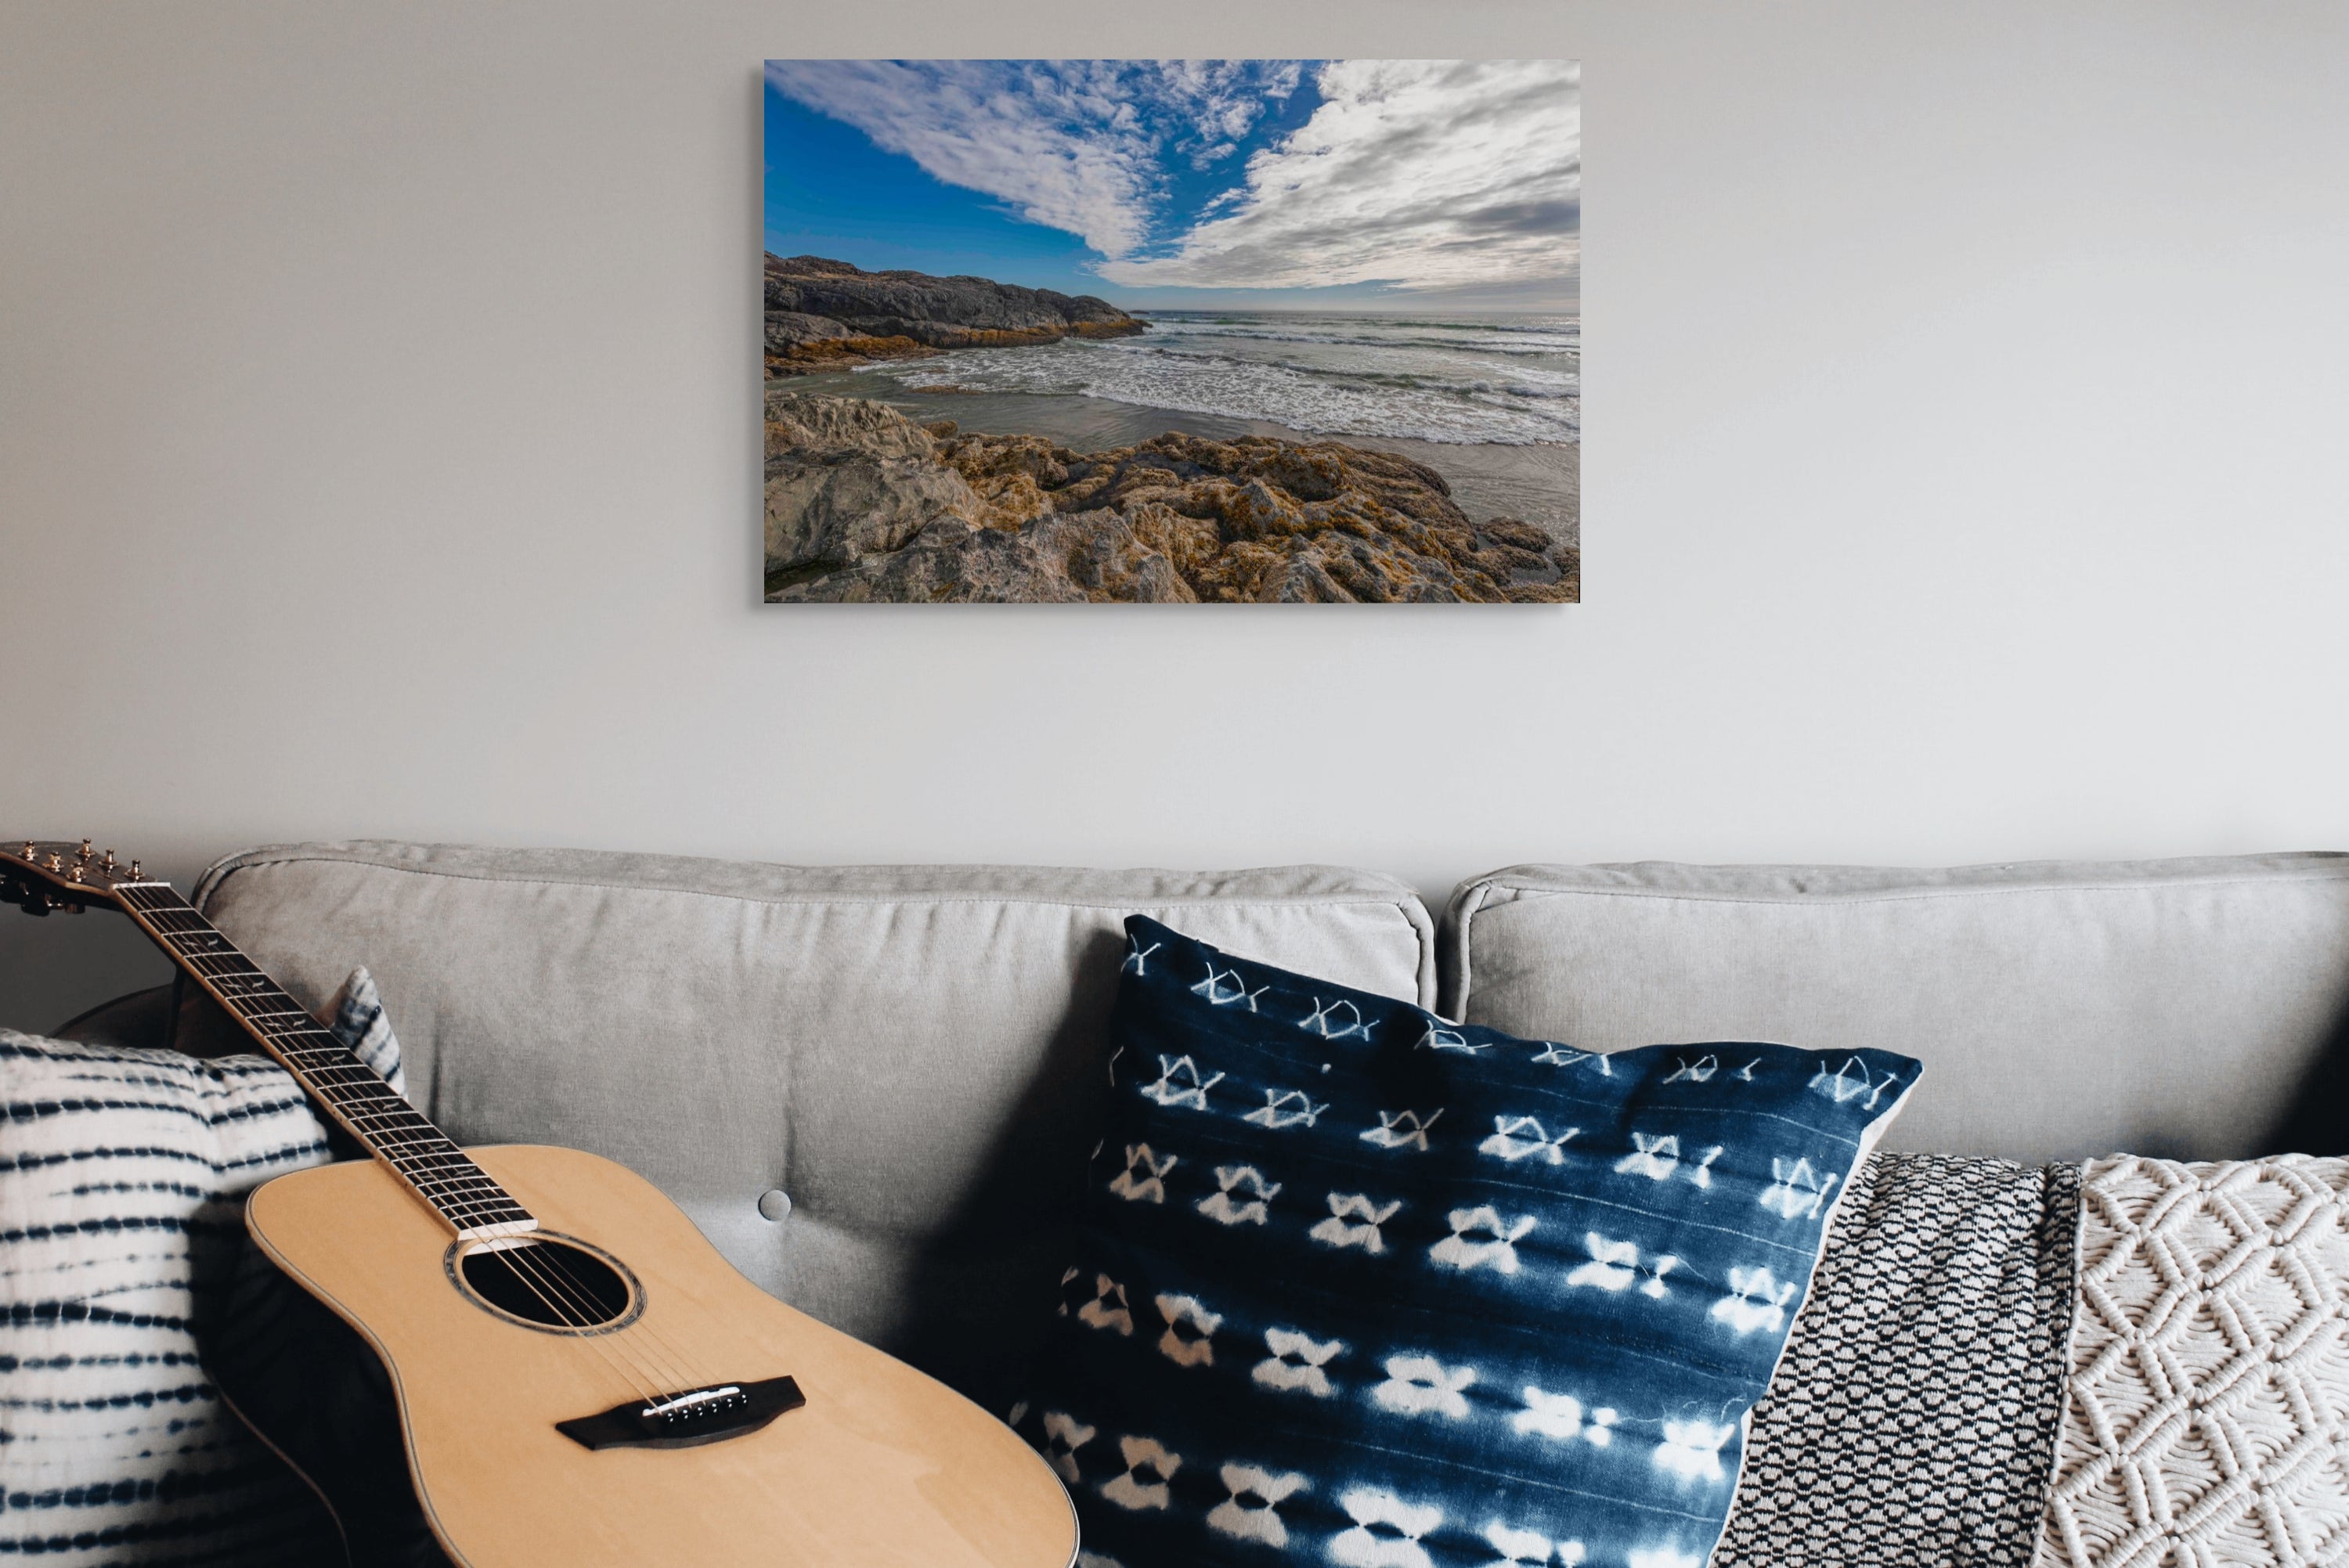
(411,1128)
(433,1165)
(422,1154)
(426,1160)
(199,942)
(469,1186)
(483,1194)
(441,1168)
(352,1091)
(401,1130)
(480,1197)
(239,988)
(424,1157)
(453,1174)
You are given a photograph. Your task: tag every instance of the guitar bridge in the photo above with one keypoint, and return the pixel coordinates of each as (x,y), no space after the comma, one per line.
(687,1417)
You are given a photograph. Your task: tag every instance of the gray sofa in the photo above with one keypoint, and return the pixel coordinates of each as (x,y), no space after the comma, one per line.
(871,1086)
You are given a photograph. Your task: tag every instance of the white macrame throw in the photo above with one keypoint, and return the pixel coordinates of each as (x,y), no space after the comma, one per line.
(2208,1417)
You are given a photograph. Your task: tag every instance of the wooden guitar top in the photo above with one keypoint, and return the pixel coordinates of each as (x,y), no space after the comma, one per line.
(882,1465)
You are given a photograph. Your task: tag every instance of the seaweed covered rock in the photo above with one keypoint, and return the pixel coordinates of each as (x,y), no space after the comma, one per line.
(1178,518)
(822,315)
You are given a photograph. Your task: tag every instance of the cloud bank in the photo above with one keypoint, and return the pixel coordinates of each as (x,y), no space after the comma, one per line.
(1422,173)
(1076,145)
(1418,174)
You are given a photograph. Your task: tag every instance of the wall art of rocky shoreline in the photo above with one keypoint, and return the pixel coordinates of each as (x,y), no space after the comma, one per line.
(863,505)
(823,314)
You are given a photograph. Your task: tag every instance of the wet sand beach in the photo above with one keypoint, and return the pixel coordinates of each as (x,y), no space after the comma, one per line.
(1535,482)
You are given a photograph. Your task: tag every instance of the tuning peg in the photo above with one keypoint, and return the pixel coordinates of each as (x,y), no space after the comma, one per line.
(109,859)
(134,870)
(30,854)
(56,863)
(85,851)
(77,873)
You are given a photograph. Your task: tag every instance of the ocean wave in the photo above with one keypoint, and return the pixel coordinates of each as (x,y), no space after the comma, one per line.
(1527,382)
(1321,401)
(1523,344)
(1569,326)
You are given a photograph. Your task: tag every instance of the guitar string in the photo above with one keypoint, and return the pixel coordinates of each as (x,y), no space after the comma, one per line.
(533,1263)
(662,1358)
(649,1351)
(541,1276)
(645,1346)
(635,1375)
(533,1272)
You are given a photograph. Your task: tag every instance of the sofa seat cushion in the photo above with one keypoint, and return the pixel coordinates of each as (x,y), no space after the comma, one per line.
(873,1088)
(2064,1010)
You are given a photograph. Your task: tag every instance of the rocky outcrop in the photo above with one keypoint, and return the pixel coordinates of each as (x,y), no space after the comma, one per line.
(821,315)
(864,505)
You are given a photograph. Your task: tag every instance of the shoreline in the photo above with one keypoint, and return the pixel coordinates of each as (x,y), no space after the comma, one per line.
(1539,483)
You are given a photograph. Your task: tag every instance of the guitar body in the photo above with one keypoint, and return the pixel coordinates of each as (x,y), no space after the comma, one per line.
(881,1465)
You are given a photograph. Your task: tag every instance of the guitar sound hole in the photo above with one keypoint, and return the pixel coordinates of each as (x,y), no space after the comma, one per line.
(550,1283)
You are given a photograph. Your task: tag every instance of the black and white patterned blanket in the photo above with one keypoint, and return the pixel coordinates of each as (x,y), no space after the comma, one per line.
(1915,1417)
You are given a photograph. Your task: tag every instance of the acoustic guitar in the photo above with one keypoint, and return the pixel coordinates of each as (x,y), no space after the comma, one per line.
(579,1377)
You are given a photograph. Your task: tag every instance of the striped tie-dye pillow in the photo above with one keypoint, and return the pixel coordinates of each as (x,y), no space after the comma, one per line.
(123,1182)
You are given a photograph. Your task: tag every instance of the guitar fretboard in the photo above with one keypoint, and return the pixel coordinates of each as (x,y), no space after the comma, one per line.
(347,1087)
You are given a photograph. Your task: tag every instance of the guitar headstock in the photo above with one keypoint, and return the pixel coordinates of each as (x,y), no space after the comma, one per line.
(38,876)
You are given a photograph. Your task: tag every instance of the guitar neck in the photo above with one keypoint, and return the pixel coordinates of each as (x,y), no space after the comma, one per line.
(344,1088)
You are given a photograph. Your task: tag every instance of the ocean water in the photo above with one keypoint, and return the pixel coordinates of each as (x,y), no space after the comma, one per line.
(1507,380)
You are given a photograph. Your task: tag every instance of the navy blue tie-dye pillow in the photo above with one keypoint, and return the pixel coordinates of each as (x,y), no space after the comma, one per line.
(1359,1287)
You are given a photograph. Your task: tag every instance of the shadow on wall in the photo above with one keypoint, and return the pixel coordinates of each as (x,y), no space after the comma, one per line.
(56,967)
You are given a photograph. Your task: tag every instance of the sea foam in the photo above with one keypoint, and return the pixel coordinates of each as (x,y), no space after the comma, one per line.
(1514,381)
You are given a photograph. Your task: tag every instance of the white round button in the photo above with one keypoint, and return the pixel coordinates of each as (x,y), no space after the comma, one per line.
(775,1204)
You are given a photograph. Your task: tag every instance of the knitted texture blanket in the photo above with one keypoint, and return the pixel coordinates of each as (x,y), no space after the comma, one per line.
(1914,1418)
(2207,1420)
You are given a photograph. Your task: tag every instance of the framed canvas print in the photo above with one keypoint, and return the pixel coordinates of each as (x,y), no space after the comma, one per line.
(1173,331)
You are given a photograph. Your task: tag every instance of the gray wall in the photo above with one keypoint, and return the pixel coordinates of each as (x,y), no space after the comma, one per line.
(1966,389)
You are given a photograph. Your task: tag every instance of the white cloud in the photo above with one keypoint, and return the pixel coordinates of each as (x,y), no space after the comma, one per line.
(1424,173)
(1056,139)
(1075,145)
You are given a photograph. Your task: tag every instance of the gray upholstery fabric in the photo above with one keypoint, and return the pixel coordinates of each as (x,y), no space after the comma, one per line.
(2063,1010)
(910,1053)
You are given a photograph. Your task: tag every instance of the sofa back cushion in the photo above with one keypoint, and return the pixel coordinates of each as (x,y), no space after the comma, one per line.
(873,1088)
(2062,1010)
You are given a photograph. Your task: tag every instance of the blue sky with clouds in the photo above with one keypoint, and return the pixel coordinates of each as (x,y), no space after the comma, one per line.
(1164,183)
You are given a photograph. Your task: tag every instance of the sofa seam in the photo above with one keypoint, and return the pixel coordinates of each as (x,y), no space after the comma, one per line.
(1912,896)
(210,884)
(1459,913)
(1412,910)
